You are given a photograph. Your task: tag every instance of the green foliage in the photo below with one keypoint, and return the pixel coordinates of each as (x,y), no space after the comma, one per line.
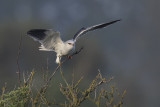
(16,98)
(98,92)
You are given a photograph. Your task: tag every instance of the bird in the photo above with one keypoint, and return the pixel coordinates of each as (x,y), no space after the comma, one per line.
(51,41)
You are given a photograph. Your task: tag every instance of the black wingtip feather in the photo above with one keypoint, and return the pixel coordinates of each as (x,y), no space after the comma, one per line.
(113,22)
(83,28)
(37,33)
(106,24)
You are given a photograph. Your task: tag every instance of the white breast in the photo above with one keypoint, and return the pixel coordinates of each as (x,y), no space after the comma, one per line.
(64,50)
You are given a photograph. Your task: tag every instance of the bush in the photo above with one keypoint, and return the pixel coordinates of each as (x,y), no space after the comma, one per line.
(95,93)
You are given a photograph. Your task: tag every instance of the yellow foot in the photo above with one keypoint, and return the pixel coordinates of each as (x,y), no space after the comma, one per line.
(69,57)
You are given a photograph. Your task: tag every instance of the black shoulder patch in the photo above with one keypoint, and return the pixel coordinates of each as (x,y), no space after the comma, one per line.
(37,33)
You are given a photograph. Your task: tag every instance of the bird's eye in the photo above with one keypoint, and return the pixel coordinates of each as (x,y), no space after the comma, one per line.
(70,43)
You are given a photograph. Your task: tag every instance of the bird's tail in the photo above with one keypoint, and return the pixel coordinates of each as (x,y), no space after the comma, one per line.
(42,48)
(58,60)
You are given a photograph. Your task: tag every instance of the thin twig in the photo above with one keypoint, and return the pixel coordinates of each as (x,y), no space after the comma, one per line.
(63,76)
(29,78)
(77,52)
(73,79)
(3,90)
(95,94)
(46,77)
(18,67)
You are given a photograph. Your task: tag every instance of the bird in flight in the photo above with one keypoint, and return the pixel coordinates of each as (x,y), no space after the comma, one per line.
(51,41)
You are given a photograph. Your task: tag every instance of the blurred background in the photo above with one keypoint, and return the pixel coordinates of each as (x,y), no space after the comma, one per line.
(128,50)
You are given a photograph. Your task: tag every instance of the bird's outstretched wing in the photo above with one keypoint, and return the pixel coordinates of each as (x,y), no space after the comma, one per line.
(48,38)
(85,30)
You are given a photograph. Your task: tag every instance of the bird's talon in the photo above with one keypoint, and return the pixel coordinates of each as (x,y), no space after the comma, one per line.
(69,57)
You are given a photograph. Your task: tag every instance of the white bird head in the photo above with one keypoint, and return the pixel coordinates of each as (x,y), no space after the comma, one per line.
(70,43)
